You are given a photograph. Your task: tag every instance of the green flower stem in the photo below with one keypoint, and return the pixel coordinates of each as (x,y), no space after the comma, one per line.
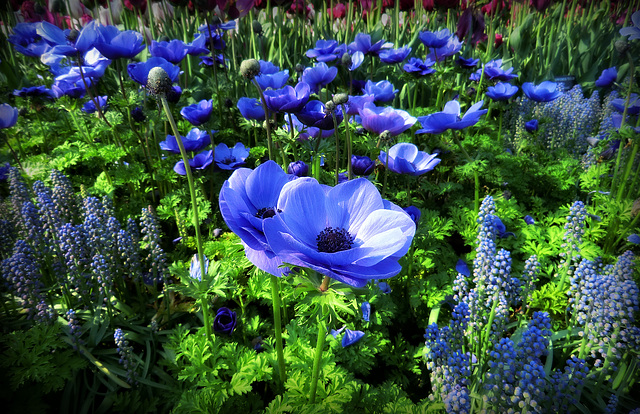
(95,100)
(293,138)
(15,156)
(335,126)
(266,118)
(345,119)
(277,323)
(194,205)
(322,336)
(476,176)
(624,116)
(627,170)
(215,75)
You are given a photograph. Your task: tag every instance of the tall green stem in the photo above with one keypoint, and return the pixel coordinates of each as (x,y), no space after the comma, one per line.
(322,336)
(277,323)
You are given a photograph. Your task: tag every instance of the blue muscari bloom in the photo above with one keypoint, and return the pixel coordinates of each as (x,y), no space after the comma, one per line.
(467,63)
(34,91)
(449,118)
(379,119)
(417,67)
(251,108)
(198,113)
(355,103)
(326,50)
(531,126)
(384,287)
(435,39)
(544,92)
(247,199)
(195,140)
(8,116)
(362,165)
(607,77)
(529,220)
(462,268)
(4,169)
(27,41)
(231,158)
(194,268)
(391,56)
(314,115)
(115,44)
(173,51)
(382,91)
(318,76)
(298,168)
(288,99)
(535,339)
(352,237)
(413,212)
(452,47)
(366,311)
(405,158)
(362,43)
(634,238)
(351,337)
(90,107)
(272,80)
(634,104)
(139,72)
(501,91)
(126,355)
(632,31)
(201,161)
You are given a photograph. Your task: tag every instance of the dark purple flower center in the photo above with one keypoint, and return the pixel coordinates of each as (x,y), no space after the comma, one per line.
(267,212)
(229,160)
(332,240)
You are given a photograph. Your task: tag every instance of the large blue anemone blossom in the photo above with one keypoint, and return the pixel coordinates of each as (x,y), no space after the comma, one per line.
(344,232)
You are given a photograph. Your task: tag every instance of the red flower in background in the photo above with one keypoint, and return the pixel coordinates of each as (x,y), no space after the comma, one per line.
(338,11)
(498,40)
(540,5)
(136,5)
(493,6)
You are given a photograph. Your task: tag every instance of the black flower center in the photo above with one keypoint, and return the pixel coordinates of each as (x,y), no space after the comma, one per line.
(229,160)
(332,240)
(267,212)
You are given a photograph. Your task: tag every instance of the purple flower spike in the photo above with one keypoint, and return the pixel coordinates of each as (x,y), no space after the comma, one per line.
(405,158)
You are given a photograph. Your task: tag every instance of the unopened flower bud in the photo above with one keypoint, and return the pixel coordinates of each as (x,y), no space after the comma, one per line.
(73,35)
(257,27)
(340,98)
(621,45)
(329,107)
(158,82)
(249,68)
(299,68)
(346,59)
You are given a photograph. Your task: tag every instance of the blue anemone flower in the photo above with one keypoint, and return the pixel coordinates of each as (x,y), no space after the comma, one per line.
(384,287)
(314,115)
(501,228)
(366,311)
(607,77)
(231,158)
(201,161)
(247,199)
(344,232)
(469,63)
(356,103)
(90,106)
(391,56)
(463,268)
(362,43)
(298,168)
(288,99)
(42,91)
(493,70)
(449,118)
(195,140)
(413,212)
(115,44)
(634,104)
(251,108)
(268,68)
(351,337)
(8,116)
(174,50)
(435,39)
(306,131)
(356,60)
(405,158)
(72,89)
(198,46)
(26,40)
(198,113)
(529,220)
(326,50)
(633,238)
(274,80)
(545,92)
(139,72)
(417,67)
(501,91)
(362,165)
(318,76)
(379,119)
(632,31)
(452,47)
(531,126)
(383,91)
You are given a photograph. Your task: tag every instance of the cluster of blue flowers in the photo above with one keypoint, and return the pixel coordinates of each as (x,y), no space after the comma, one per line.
(126,355)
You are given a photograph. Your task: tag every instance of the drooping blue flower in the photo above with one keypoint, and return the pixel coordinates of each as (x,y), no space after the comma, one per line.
(351,337)
(41,91)
(201,161)
(173,51)
(210,60)
(314,115)
(195,140)
(449,118)
(274,80)
(194,268)
(8,116)
(634,104)
(318,76)
(405,158)
(366,311)
(139,72)
(529,220)
(231,158)
(607,77)
(362,43)
(379,119)
(547,91)
(198,46)
(268,68)
(326,50)
(343,232)
(362,165)
(73,90)
(632,31)
(435,39)
(417,67)
(391,56)
(298,168)
(383,91)
(225,321)
(463,268)
(198,113)
(634,238)
(115,44)
(288,99)
(58,38)
(501,91)
(26,40)
(247,199)
(251,108)
(90,106)
(501,228)
(531,126)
